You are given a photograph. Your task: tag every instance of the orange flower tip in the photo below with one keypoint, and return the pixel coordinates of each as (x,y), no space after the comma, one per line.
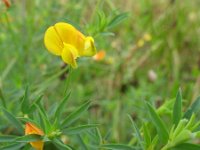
(99,56)
(7,3)
(32,129)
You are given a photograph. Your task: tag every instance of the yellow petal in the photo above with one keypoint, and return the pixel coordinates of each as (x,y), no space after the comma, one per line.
(65,40)
(37,145)
(32,129)
(89,48)
(52,41)
(70,35)
(69,55)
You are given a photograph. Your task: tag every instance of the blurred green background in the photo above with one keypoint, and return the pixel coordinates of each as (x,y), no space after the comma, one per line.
(152,48)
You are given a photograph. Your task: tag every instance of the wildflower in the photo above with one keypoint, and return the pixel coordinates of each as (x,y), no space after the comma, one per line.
(66,41)
(152,75)
(100,55)
(32,129)
(140,43)
(7,3)
(147,37)
(192,16)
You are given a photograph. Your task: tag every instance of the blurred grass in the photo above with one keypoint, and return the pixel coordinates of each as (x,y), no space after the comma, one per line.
(117,86)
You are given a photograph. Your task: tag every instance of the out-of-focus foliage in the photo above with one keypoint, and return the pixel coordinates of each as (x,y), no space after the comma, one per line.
(152,47)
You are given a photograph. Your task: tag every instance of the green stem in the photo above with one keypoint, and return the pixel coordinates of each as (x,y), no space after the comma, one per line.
(2,98)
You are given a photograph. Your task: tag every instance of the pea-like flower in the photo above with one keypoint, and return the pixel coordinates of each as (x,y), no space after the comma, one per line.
(66,41)
(32,129)
(100,55)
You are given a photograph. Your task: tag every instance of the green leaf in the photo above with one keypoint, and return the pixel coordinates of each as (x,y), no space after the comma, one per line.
(28,138)
(61,107)
(117,19)
(180,128)
(37,101)
(102,20)
(95,137)
(192,124)
(154,142)
(59,144)
(27,147)
(13,120)
(79,129)
(81,143)
(15,146)
(147,136)
(159,124)
(25,120)
(117,147)
(7,138)
(25,102)
(44,118)
(166,108)
(41,110)
(75,115)
(21,139)
(106,34)
(137,131)
(8,69)
(177,111)
(98,137)
(193,109)
(186,146)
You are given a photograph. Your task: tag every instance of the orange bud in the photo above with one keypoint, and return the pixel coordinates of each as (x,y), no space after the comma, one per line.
(32,129)
(7,3)
(100,55)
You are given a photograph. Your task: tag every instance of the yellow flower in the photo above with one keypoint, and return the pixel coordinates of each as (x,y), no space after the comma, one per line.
(140,43)
(147,37)
(32,129)
(66,41)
